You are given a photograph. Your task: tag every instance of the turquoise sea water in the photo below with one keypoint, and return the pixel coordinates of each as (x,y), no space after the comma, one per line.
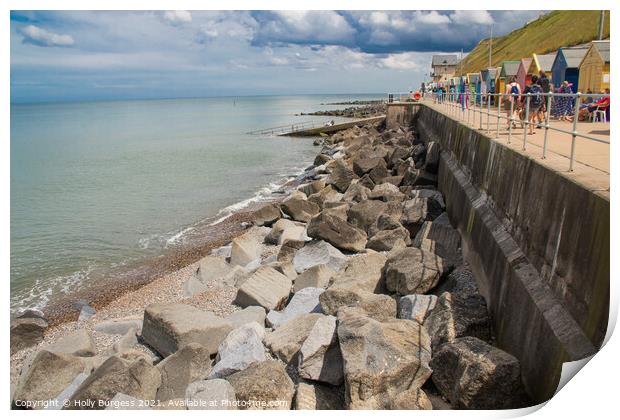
(100,184)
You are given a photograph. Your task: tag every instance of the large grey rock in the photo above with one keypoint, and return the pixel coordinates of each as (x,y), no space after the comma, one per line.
(213,394)
(471,374)
(432,194)
(318,252)
(245,249)
(341,176)
(362,272)
(415,213)
(190,363)
(386,192)
(263,386)
(381,359)
(193,286)
(119,326)
(27,332)
(62,400)
(455,316)
(413,271)
(286,341)
(288,250)
(416,307)
(212,268)
(317,276)
(337,232)
(314,396)
(267,287)
(138,379)
(274,237)
(48,375)
(377,306)
(242,347)
(356,192)
(312,187)
(168,327)
(86,313)
(319,357)
(247,315)
(126,342)
(364,214)
(364,165)
(303,302)
(327,194)
(411,399)
(77,343)
(338,210)
(389,240)
(266,215)
(300,209)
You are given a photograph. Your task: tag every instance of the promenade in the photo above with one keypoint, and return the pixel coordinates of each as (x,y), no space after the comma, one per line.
(591,166)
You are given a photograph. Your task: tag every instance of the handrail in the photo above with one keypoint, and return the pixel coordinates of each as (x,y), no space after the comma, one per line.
(289,128)
(470,106)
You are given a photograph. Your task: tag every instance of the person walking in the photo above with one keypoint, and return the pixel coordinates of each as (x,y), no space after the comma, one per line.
(534,101)
(513,91)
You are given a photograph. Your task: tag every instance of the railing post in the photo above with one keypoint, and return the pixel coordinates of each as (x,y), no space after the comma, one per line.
(499,112)
(574,142)
(547,113)
(489,113)
(511,117)
(526,125)
(480,109)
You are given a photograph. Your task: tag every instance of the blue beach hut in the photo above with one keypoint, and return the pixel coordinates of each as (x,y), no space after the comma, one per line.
(566,66)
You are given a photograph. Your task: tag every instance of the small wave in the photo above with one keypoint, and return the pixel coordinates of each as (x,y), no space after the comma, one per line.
(178,236)
(40,293)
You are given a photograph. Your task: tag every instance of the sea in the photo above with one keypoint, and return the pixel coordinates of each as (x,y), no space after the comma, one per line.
(99,185)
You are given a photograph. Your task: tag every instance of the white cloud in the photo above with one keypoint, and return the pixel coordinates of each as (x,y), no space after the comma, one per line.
(299,26)
(477,17)
(431,18)
(177,17)
(39,36)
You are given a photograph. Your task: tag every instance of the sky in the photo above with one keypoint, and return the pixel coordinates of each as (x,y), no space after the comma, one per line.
(108,55)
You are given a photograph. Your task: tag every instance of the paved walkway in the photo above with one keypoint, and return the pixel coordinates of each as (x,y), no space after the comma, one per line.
(591,167)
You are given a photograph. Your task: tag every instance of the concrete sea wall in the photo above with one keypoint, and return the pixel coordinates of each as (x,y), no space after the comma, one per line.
(538,242)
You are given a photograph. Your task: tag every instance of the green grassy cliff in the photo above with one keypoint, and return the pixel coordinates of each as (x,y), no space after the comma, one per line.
(548,33)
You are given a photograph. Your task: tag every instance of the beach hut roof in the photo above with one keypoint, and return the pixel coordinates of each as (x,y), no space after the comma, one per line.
(573,55)
(445,60)
(545,61)
(602,47)
(510,68)
(526,62)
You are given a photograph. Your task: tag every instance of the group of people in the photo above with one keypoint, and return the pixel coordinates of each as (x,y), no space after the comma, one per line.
(535,105)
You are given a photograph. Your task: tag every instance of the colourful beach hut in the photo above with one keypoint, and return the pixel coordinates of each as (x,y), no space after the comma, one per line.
(523,77)
(542,62)
(594,68)
(484,74)
(508,70)
(566,65)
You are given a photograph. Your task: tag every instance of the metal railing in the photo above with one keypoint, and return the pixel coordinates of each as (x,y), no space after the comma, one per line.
(289,128)
(473,108)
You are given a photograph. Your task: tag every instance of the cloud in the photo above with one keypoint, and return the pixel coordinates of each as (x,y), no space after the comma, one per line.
(42,38)
(177,17)
(303,27)
(475,17)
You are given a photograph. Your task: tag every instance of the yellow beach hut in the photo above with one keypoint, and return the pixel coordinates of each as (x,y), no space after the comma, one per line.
(508,70)
(542,62)
(594,71)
